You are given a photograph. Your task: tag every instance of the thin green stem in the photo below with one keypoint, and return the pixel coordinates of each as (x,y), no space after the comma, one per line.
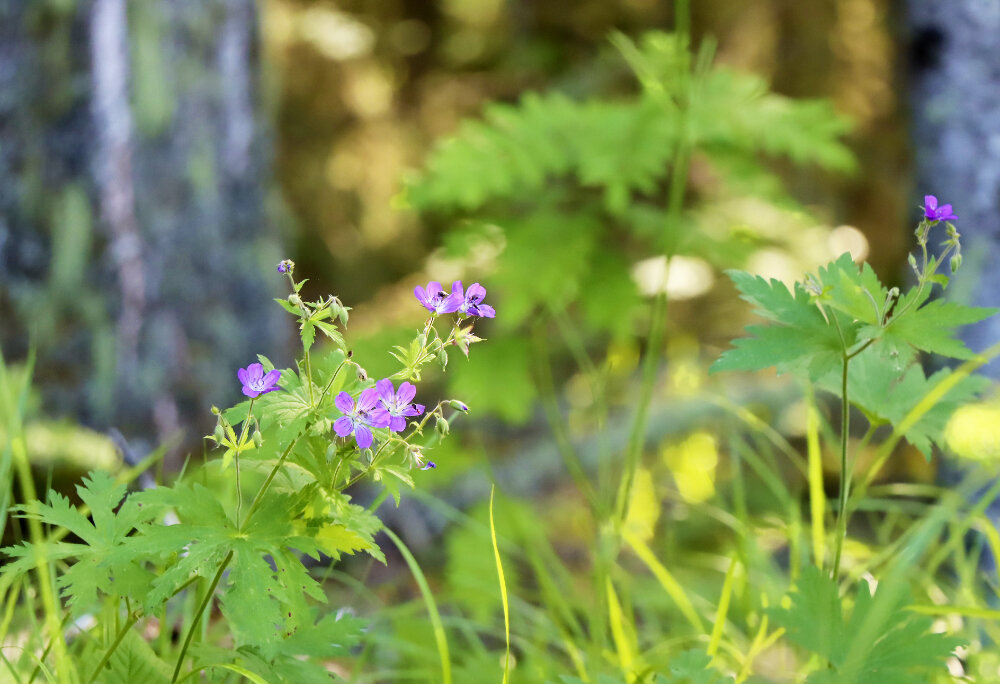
(845,474)
(333,378)
(375,459)
(132,619)
(635,443)
(309,378)
(239,447)
(551,406)
(267,483)
(201,609)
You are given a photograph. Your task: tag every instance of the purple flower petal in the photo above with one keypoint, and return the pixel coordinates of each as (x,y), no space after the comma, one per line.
(271,379)
(452,304)
(422,297)
(385,390)
(476,292)
(380,418)
(406,392)
(930,203)
(486,311)
(367,400)
(945,213)
(255,371)
(397,423)
(430,465)
(343,426)
(249,392)
(242,375)
(413,410)
(344,402)
(363,436)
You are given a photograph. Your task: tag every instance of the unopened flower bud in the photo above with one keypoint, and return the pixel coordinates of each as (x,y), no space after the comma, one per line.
(956,263)
(294,299)
(258,439)
(443,359)
(215,411)
(362,374)
(219,433)
(331,451)
(912,261)
(456,404)
(442,426)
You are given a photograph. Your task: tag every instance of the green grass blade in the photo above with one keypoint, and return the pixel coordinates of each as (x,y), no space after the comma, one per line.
(439,635)
(723,609)
(817,495)
(666,580)
(503,590)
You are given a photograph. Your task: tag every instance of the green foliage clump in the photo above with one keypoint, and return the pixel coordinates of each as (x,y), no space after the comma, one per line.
(569,193)
(128,563)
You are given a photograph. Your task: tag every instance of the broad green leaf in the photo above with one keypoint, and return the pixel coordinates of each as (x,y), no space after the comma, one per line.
(803,339)
(881,642)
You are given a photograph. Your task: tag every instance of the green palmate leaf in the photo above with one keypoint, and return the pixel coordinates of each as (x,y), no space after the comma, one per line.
(853,291)
(131,662)
(692,667)
(887,395)
(881,642)
(803,338)
(103,564)
(932,328)
(286,659)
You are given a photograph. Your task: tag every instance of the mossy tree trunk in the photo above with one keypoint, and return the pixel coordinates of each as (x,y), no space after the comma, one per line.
(955,60)
(134,245)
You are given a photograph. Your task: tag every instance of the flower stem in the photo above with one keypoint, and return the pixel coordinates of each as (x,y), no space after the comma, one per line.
(132,619)
(845,474)
(239,447)
(267,483)
(333,378)
(309,378)
(635,443)
(201,609)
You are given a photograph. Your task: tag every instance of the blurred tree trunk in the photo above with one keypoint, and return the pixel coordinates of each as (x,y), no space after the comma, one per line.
(955,59)
(134,244)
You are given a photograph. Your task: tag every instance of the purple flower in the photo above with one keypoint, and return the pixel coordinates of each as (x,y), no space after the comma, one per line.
(429,465)
(357,418)
(395,406)
(472,301)
(281,267)
(437,300)
(255,382)
(935,213)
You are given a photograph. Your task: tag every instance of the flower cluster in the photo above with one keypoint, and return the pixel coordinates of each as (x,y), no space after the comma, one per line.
(381,406)
(466,302)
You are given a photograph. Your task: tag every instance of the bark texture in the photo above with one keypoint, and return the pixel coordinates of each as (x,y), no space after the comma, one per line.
(955,55)
(134,245)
